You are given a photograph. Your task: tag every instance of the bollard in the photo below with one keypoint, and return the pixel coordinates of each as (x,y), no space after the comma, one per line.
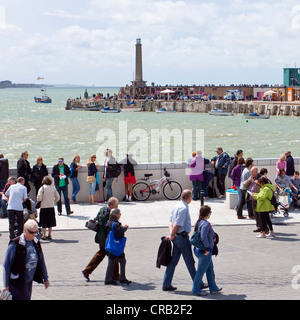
(202,197)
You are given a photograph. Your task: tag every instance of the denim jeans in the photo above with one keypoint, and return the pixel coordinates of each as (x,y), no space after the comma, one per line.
(181,246)
(109,182)
(76,188)
(197,187)
(205,266)
(63,190)
(4,207)
(92,188)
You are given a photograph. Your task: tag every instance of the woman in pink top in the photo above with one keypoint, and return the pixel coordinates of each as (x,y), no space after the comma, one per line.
(280,164)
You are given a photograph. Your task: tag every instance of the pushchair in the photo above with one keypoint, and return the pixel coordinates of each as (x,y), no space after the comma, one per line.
(30,212)
(283,202)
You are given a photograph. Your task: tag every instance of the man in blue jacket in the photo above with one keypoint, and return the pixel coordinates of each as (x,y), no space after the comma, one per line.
(221,162)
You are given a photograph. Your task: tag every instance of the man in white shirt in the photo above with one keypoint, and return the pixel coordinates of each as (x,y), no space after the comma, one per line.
(16,196)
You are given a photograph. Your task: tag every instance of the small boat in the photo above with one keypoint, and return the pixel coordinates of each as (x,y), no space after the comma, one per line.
(255,115)
(163,110)
(220,112)
(43,99)
(108,110)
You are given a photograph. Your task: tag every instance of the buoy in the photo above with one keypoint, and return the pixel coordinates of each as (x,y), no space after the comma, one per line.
(246,120)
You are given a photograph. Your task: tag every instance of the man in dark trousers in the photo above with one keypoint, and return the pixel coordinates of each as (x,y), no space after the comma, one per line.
(4,171)
(24,169)
(221,162)
(61,173)
(290,166)
(100,238)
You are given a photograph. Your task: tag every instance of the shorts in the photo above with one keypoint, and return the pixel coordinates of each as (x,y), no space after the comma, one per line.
(129,179)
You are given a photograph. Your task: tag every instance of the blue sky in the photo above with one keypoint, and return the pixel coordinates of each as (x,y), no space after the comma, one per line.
(184,42)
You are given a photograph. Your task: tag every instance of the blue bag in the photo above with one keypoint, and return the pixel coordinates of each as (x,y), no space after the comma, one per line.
(113,245)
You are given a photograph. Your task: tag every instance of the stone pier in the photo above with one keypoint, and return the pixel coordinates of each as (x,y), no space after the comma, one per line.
(243,107)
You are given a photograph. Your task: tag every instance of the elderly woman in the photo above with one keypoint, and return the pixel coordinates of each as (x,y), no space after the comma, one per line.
(48,196)
(196,175)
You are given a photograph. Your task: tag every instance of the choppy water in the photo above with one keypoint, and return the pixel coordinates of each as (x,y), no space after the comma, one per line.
(51,131)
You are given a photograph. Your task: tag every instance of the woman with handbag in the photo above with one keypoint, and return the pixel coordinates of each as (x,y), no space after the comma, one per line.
(91,178)
(205,263)
(116,236)
(48,196)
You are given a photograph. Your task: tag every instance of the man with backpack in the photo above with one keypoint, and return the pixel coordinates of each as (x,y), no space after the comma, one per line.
(100,238)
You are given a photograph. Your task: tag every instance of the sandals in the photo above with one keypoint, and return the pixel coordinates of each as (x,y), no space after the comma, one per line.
(45,238)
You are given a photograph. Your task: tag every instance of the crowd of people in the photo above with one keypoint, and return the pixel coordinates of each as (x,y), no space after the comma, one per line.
(24,256)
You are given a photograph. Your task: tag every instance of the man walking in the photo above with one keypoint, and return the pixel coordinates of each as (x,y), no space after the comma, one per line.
(180,227)
(221,162)
(60,173)
(100,238)
(16,195)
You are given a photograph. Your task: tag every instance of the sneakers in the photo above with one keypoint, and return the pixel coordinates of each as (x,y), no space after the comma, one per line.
(260,236)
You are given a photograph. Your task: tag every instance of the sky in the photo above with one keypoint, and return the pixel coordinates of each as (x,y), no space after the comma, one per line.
(92,42)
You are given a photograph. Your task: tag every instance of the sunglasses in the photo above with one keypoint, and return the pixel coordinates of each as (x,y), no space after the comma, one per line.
(31,232)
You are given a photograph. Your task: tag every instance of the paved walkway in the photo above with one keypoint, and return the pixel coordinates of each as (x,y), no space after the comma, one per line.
(246,268)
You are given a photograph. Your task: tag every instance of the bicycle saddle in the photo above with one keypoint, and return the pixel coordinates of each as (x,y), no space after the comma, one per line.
(147,175)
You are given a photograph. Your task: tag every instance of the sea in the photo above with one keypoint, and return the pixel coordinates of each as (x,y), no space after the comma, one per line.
(50,131)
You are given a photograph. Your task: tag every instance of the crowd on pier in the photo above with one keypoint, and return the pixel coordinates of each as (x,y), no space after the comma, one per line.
(24,256)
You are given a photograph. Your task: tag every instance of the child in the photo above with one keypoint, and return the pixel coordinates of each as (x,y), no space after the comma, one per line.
(296,182)
(119,231)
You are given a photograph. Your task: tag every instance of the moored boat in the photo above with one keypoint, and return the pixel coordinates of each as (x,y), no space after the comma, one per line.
(108,110)
(255,115)
(220,112)
(43,99)
(163,110)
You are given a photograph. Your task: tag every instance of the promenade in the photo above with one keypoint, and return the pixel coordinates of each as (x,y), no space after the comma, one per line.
(246,268)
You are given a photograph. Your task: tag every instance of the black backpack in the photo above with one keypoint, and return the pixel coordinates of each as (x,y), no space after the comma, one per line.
(102,218)
(273,200)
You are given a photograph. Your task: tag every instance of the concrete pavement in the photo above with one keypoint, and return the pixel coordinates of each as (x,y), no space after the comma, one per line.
(246,268)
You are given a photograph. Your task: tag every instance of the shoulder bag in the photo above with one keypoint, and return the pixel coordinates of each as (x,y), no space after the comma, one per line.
(113,245)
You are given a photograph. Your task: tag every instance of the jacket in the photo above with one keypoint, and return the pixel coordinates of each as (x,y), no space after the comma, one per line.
(4,169)
(16,276)
(48,196)
(197,167)
(119,230)
(164,253)
(264,198)
(55,174)
(224,160)
(23,169)
(236,174)
(37,174)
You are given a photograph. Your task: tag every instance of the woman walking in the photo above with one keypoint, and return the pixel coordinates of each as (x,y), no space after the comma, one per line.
(39,171)
(48,196)
(205,263)
(91,179)
(264,206)
(74,167)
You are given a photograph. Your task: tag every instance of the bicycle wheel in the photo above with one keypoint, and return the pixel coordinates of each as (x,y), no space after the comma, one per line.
(172,190)
(141,191)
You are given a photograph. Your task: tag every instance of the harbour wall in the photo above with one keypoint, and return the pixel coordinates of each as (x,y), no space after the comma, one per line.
(243,107)
(178,171)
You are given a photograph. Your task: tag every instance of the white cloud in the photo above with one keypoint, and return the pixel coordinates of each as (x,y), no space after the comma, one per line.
(189,36)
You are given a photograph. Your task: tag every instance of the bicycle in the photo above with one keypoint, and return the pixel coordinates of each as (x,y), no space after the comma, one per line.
(171,189)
